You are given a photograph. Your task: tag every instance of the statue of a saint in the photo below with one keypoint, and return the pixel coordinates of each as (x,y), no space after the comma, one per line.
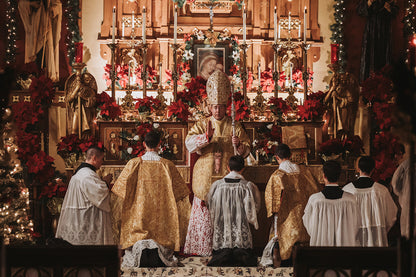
(80,91)
(343,94)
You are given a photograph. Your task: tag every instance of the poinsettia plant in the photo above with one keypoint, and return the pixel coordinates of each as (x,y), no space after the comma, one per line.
(385,146)
(341,149)
(147,104)
(107,107)
(312,108)
(278,106)
(242,111)
(132,145)
(71,148)
(179,110)
(269,136)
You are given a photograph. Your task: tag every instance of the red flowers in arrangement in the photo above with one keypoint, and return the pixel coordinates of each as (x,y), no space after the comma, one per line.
(109,110)
(54,188)
(147,104)
(312,108)
(179,110)
(194,93)
(335,148)
(278,106)
(72,144)
(266,80)
(242,111)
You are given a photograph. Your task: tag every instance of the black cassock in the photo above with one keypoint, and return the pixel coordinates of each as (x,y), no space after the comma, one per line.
(376,45)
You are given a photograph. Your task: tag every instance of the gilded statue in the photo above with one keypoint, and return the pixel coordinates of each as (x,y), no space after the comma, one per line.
(343,96)
(80,93)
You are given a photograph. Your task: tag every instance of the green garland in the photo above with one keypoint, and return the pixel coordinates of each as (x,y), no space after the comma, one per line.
(180,3)
(72,13)
(338,33)
(11,31)
(409,28)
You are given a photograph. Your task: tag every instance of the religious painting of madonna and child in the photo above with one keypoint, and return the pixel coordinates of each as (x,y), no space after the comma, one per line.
(209,59)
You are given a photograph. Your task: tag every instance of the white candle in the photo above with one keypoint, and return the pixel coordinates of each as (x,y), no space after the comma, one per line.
(113,40)
(289,23)
(132,20)
(244,24)
(144,25)
(175,25)
(305,12)
(278,35)
(122,29)
(275,24)
(300,27)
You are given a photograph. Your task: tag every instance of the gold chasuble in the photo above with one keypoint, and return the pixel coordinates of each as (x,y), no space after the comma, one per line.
(212,165)
(286,195)
(155,206)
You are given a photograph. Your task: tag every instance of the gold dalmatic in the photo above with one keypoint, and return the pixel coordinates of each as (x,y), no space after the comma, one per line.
(286,195)
(212,165)
(155,204)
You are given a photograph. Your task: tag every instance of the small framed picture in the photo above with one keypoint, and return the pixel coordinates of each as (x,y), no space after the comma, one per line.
(208,59)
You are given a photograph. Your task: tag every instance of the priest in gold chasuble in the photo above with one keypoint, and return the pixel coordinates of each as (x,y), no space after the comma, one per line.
(152,206)
(211,138)
(286,195)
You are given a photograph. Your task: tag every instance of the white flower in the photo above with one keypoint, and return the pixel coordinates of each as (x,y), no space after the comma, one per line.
(236,80)
(186,77)
(136,138)
(156,125)
(200,35)
(270,126)
(188,55)
(236,55)
(255,142)
(130,150)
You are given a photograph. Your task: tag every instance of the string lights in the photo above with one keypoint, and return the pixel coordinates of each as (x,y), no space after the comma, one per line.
(72,12)
(338,33)
(11,31)
(409,19)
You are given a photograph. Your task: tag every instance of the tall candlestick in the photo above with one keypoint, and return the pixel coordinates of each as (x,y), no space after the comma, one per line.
(175,24)
(290,80)
(113,40)
(132,20)
(275,24)
(305,12)
(144,25)
(289,23)
(259,74)
(299,30)
(160,73)
(244,24)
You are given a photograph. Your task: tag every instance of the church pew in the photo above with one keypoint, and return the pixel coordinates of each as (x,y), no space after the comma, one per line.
(346,261)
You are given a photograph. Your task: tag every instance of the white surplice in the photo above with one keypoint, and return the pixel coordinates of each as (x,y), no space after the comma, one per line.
(378,213)
(85,216)
(233,207)
(401,187)
(332,222)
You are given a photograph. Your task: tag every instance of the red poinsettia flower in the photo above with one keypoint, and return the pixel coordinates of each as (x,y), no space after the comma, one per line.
(187,37)
(42,91)
(311,110)
(266,80)
(234,69)
(377,88)
(26,114)
(332,146)
(179,110)
(353,145)
(383,112)
(28,144)
(143,129)
(242,112)
(38,162)
(102,98)
(282,79)
(278,106)
(110,111)
(147,104)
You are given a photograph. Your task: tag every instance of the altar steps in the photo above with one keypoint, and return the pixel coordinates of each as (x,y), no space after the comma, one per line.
(196,266)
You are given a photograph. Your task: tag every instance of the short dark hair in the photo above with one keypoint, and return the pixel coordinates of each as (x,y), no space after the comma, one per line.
(152,139)
(94,151)
(332,170)
(283,151)
(366,164)
(236,163)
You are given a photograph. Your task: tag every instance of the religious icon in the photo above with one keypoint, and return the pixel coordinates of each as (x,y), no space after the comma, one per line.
(209,59)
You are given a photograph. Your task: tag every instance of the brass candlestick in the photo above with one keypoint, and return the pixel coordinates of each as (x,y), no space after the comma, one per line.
(276,74)
(175,75)
(305,75)
(143,75)
(244,74)
(113,47)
